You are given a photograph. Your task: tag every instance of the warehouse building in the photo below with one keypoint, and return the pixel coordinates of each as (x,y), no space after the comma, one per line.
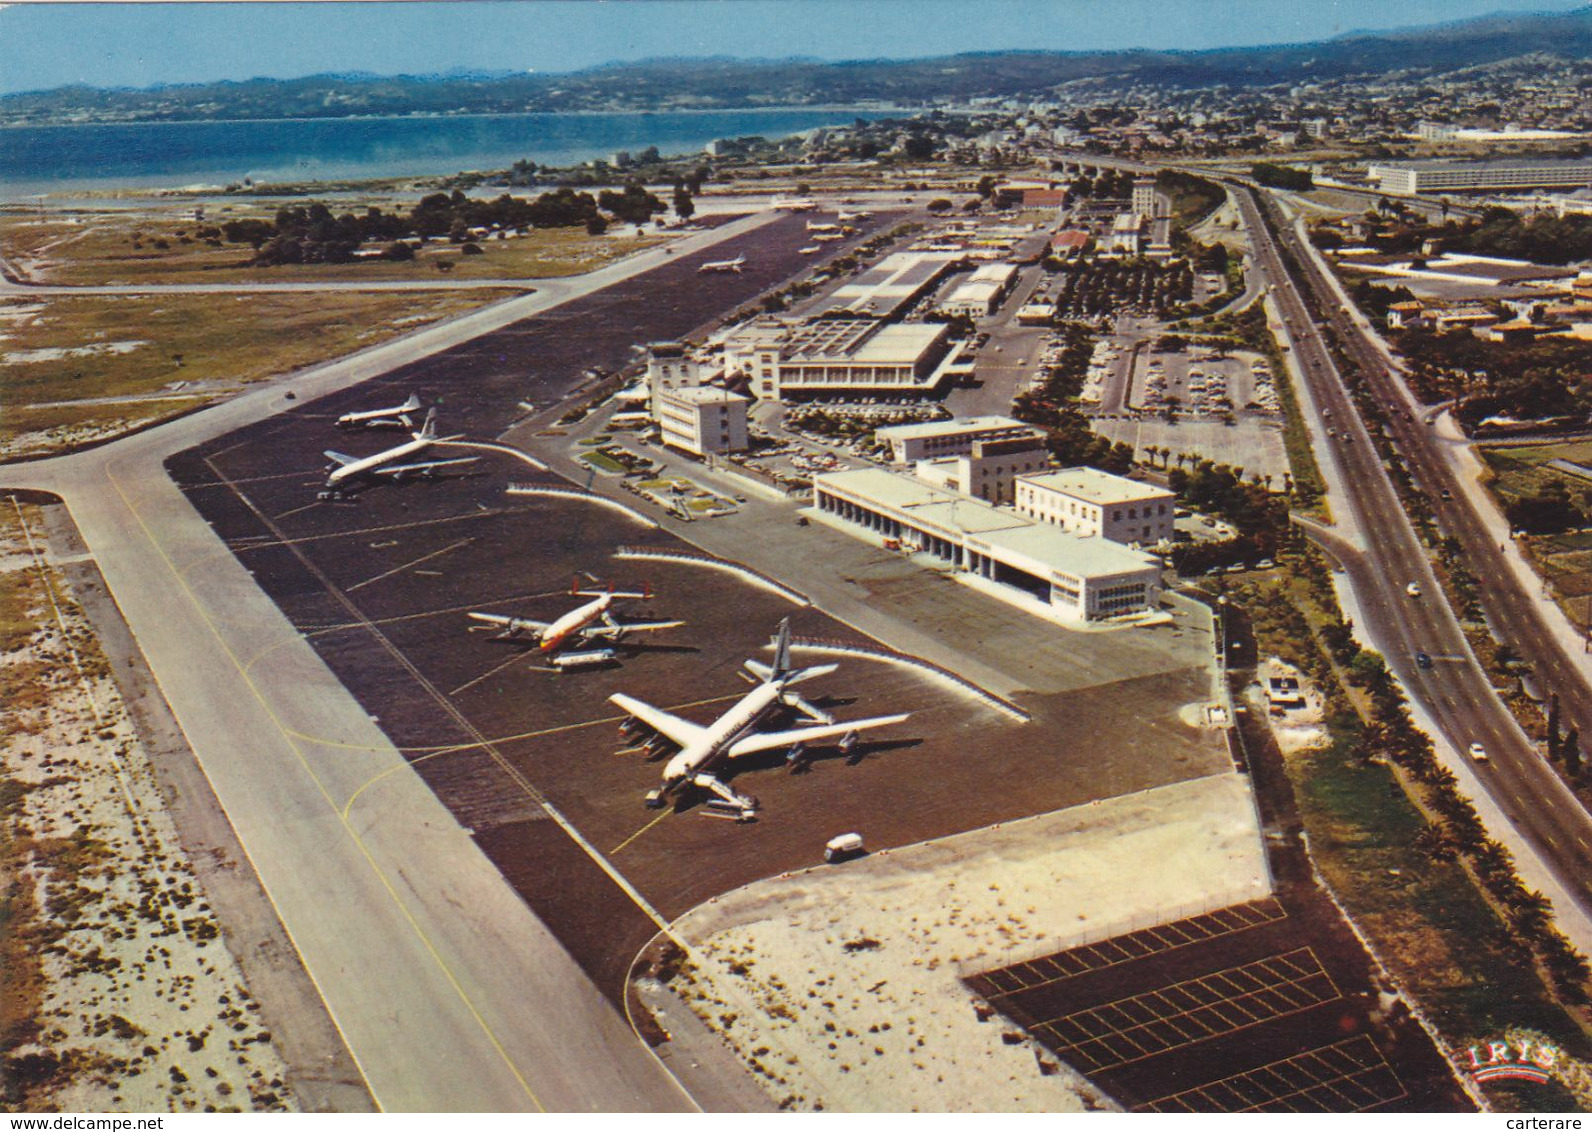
(929,440)
(1077,579)
(890,286)
(1411,177)
(980,295)
(1095,504)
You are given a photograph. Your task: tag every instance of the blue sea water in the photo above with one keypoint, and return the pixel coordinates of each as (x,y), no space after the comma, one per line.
(168,154)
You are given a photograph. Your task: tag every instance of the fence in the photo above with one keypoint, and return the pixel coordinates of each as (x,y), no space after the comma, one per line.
(879,652)
(584,497)
(696,558)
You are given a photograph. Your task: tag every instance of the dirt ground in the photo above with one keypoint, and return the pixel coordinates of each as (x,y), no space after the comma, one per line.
(140,1006)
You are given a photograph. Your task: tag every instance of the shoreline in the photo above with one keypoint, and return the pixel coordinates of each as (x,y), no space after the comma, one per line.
(816,107)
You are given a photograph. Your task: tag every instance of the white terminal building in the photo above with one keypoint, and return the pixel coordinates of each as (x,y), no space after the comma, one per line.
(702,419)
(928,440)
(1091,503)
(785,360)
(1075,578)
(1408,178)
(990,471)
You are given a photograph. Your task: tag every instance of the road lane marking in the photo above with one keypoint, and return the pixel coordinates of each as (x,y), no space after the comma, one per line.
(354,838)
(407,565)
(614,852)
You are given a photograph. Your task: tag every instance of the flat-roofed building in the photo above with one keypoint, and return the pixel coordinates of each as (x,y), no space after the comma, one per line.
(702,419)
(1407,178)
(981,293)
(1091,503)
(894,283)
(669,366)
(1079,579)
(989,472)
(928,440)
(837,355)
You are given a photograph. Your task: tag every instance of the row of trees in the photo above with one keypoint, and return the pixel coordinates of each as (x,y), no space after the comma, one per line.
(311,233)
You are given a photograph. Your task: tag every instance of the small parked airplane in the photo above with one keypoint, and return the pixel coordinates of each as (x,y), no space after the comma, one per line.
(734,734)
(717,265)
(590,623)
(395,417)
(344,469)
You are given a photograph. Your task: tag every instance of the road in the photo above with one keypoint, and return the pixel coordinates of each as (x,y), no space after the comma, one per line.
(1382,555)
(449,993)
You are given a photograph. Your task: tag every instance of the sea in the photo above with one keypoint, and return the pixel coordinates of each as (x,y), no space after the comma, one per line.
(54,159)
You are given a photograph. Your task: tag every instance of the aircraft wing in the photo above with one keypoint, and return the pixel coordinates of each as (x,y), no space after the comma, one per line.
(339,458)
(422,466)
(631,627)
(512,624)
(682,731)
(768,740)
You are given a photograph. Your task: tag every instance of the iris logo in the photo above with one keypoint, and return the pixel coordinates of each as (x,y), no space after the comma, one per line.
(1515,1059)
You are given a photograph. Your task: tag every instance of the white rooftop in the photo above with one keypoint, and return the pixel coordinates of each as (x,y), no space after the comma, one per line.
(1042,543)
(952,427)
(1097,486)
(701,395)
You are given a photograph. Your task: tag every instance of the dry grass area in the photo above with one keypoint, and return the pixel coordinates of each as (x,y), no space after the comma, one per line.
(158,245)
(76,369)
(1564,560)
(119,993)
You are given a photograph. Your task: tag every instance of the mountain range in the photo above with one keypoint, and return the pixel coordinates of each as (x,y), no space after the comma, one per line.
(722,83)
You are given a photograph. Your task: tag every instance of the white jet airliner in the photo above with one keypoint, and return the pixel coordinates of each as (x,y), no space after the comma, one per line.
(344,469)
(734,265)
(395,417)
(590,623)
(734,734)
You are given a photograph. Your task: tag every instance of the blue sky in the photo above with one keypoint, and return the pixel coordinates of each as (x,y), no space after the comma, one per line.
(44,45)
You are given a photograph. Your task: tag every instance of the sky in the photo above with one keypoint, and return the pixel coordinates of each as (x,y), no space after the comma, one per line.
(44,45)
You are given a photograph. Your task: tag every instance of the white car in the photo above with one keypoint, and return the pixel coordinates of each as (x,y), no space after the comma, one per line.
(1413,589)
(1478,752)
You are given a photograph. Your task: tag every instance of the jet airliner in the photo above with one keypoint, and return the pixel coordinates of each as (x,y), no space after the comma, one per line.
(734,734)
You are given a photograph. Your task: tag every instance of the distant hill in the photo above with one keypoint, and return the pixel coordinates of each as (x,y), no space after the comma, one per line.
(735,84)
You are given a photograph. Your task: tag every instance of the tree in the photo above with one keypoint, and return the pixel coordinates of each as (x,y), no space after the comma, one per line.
(398,251)
(986,185)
(684,206)
(919,147)
(1572,753)
(596,225)
(1554,739)
(940,205)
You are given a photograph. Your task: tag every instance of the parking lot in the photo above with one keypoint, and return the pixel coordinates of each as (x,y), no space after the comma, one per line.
(1258,1007)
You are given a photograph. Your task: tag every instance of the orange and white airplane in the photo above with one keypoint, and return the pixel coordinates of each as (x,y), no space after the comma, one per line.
(589,624)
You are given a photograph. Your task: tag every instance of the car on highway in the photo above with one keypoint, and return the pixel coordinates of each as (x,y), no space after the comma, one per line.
(1423,660)
(1413,589)
(1478,752)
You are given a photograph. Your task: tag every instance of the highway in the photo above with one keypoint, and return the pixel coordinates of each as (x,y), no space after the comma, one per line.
(450,994)
(1379,548)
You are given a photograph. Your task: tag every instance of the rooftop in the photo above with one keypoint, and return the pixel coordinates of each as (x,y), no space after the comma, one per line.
(950,428)
(701,395)
(1097,486)
(1042,543)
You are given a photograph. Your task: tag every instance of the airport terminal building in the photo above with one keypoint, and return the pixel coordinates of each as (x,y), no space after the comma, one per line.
(1079,579)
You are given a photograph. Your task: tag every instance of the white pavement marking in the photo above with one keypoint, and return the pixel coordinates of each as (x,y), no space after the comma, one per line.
(450,994)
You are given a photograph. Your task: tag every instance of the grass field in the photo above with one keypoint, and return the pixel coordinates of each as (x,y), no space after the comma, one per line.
(1424,916)
(126,247)
(74,369)
(1564,560)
